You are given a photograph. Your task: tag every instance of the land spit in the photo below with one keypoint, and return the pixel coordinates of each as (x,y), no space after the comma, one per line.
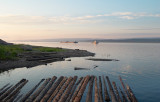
(33,58)
(69,89)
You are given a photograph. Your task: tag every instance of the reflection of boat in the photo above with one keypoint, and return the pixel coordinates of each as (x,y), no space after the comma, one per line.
(95,42)
(68,42)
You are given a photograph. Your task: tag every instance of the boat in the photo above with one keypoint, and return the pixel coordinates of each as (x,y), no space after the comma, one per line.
(95,42)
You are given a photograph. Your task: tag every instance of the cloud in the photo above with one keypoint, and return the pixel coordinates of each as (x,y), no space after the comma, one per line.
(143,29)
(22,19)
(127,17)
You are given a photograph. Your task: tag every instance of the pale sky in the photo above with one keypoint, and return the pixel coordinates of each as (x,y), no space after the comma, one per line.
(50,19)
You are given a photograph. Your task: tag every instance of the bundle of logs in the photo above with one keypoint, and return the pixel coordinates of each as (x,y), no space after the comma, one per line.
(69,89)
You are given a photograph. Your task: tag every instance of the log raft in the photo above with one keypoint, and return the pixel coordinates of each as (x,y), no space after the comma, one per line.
(66,89)
(100,90)
(4,87)
(89,94)
(96,93)
(57,89)
(106,95)
(116,91)
(31,91)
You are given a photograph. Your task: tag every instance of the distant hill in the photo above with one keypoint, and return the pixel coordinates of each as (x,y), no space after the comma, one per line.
(4,42)
(131,40)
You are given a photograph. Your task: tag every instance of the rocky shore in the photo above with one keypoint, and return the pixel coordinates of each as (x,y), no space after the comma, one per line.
(31,59)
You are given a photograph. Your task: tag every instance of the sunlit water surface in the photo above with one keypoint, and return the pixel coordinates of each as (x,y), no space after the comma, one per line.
(139,66)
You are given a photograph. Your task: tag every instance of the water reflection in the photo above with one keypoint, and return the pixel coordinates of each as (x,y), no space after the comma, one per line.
(139,66)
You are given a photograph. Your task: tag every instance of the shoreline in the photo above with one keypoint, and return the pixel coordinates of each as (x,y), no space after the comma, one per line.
(32,59)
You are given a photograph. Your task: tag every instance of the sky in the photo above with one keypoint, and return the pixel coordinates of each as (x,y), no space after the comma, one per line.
(51,19)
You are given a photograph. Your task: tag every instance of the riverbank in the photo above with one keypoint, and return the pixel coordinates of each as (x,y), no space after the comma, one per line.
(30,56)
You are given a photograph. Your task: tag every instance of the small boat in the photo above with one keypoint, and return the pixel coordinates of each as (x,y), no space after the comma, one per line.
(95,42)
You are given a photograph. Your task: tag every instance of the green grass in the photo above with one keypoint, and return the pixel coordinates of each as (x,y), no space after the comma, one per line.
(47,49)
(8,52)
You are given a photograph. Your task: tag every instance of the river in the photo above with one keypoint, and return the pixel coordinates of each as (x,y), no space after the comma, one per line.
(138,65)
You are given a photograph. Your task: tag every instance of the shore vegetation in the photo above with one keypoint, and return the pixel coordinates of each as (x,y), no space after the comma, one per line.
(9,52)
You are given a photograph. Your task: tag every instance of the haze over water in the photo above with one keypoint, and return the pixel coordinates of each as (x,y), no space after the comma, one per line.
(139,67)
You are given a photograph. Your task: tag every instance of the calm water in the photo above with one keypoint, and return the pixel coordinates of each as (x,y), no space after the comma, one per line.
(139,66)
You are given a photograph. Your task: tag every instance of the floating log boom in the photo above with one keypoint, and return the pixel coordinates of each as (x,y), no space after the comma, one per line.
(73,89)
(81,91)
(11,89)
(133,98)
(35,94)
(57,89)
(106,95)
(68,89)
(89,94)
(4,87)
(31,91)
(51,90)
(67,92)
(77,90)
(96,94)
(3,91)
(15,91)
(117,93)
(100,90)
(125,91)
(41,95)
(58,96)
(123,96)
(113,96)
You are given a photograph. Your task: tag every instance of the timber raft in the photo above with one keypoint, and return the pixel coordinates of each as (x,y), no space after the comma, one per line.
(69,89)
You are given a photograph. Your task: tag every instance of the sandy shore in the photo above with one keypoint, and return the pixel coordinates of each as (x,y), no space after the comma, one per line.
(31,59)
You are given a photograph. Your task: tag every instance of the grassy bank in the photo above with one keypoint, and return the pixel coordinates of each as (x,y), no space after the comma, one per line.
(8,52)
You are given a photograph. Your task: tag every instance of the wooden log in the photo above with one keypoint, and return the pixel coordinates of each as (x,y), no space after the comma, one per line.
(73,89)
(13,97)
(77,90)
(4,90)
(90,89)
(81,91)
(11,89)
(96,93)
(68,90)
(123,96)
(61,91)
(36,93)
(117,93)
(31,91)
(133,98)
(51,90)
(4,87)
(44,91)
(18,98)
(80,79)
(78,68)
(57,89)
(124,88)
(100,90)
(113,96)
(106,95)
(15,91)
